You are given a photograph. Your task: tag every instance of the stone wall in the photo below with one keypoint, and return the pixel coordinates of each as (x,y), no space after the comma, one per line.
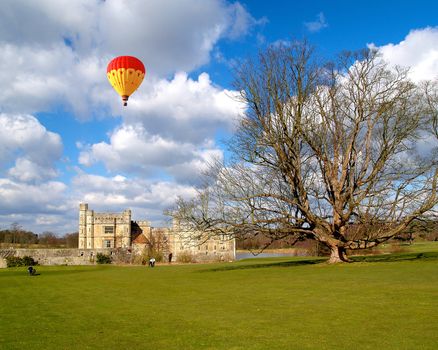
(58,256)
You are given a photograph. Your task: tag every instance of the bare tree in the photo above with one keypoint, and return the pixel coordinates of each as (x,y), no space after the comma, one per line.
(324,151)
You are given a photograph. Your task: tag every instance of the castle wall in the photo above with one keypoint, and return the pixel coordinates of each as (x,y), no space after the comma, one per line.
(116,230)
(48,256)
(199,247)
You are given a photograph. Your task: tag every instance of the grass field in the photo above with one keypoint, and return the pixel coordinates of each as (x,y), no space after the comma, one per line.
(379,302)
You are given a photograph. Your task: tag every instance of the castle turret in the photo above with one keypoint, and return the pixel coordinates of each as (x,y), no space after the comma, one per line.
(126,230)
(83,208)
(89,218)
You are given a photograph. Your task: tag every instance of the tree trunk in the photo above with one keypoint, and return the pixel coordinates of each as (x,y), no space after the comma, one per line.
(338,255)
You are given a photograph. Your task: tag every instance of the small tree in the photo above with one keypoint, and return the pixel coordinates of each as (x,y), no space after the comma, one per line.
(157,245)
(327,151)
(103,259)
(71,240)
(49,239)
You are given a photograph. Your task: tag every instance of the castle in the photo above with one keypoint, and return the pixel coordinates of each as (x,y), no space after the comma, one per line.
(117,231)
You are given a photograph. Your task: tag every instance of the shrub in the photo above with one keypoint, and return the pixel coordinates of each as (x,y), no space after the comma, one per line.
(14,261)
(103,259)
(29,261)
(186,257)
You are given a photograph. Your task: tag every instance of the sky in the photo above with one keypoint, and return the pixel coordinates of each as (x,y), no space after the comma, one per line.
(65,137)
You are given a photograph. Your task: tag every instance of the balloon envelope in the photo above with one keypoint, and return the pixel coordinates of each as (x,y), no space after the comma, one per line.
(125,74)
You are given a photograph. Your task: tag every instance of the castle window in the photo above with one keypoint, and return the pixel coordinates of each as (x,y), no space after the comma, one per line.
(109,229)
(107,243)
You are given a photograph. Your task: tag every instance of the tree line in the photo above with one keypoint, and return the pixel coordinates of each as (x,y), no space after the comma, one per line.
(418,230)
(16,235)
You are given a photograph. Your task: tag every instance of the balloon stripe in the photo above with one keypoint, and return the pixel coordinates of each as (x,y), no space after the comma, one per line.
(126,62)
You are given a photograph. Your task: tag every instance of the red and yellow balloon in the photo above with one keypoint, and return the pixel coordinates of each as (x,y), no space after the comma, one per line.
(125,74)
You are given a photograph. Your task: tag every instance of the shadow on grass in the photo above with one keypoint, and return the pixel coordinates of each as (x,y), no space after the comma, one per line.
(255,265)
(396,257)
(313,261)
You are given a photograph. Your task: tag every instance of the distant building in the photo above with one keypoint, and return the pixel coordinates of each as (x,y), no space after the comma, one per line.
(118,231)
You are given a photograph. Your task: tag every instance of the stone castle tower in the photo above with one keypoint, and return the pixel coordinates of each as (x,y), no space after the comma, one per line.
(104,230)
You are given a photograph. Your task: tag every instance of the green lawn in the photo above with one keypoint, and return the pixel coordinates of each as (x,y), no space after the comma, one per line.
(385,302)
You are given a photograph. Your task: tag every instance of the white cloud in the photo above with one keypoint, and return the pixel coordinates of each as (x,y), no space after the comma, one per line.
(170,128)
(48,59)
(318,24)
(145,198)
(191,171)
(35,79)
(27,171)
(240,21)
(133,150)
(184,109)
(16,197)
(168,35)
(419,51)
(34,148)
(44,22)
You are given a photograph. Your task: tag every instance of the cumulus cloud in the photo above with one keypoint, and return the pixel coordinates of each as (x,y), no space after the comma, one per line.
(34,148)
(26,170)
(35,79)
(45,22)
(184,109)
(170,128)
(37,207)
(133,150)
(48,59)
(29,198)
(181,32)
(419,51)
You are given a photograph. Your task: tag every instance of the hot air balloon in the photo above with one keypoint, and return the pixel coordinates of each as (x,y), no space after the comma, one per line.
(125,74)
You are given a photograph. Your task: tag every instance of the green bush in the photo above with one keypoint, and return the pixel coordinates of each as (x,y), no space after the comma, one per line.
(103,259)
(29,261)
(14,261)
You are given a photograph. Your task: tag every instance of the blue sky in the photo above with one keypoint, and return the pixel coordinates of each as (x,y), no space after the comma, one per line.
(65,137)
